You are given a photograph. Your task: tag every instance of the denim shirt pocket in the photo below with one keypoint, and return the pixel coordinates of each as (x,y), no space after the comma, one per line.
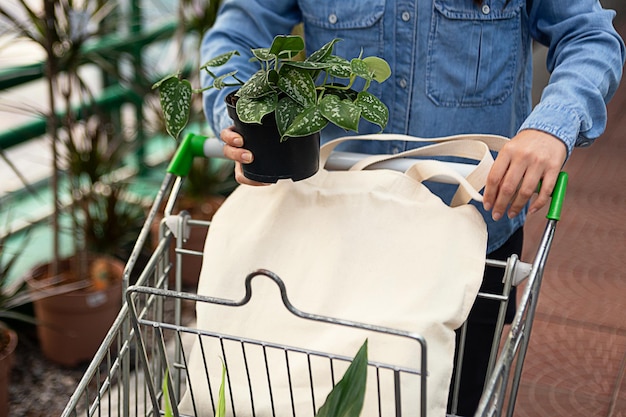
(359,22)
(473,52)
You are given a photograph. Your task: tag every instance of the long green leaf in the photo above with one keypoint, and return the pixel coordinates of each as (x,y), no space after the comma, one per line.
(347,396)
(221,402)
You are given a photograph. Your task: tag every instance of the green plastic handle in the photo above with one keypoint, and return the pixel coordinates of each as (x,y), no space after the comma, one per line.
(558,195)
(191,146)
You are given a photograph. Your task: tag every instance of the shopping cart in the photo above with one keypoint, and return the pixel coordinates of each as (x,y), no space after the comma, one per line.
(144,357)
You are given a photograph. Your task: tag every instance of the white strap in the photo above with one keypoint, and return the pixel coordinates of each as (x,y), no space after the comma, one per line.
(476,147)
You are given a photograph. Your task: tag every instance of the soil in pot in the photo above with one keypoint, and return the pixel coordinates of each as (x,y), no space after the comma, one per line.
(8,342)
(73,324)
(293,158)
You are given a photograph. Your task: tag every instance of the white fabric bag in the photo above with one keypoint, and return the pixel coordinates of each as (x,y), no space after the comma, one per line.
(372,246)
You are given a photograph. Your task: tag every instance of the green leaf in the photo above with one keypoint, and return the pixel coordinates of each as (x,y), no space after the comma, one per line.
(219,82)
(340,67)
(221,402)
(286,112)
(175,97)
(324,52)
(164,79)
(167,407)
(360,68)
(253,110)
(287,46)
(257,86)
(372,109)
(308,65)
(262,54)
(343,113)
(219,60)
(297,84)
(346,397)
(307,122)
(378,67)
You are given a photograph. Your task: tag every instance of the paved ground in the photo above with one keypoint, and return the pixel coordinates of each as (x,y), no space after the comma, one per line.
(577,356)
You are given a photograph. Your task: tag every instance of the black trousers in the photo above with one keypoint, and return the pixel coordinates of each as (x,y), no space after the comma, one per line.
(481,325)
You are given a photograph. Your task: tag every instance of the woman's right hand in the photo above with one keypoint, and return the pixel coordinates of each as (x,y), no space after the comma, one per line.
(233,149)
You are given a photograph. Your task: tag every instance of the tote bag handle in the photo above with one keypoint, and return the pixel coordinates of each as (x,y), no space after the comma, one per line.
(476,147)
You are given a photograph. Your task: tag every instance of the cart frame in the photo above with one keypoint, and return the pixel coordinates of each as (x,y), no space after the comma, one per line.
(111,386)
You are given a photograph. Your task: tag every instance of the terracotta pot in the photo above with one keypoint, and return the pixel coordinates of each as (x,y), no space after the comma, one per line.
(72,325)
(294,158)
(8,342)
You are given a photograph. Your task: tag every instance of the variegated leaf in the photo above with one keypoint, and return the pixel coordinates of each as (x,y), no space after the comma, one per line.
(307,122)
(286,111)
(343,113)
(360,68)
(257,86)
(324,52)
(340,67)
(372,109)
(253,110)
(175,97)
(298,85)
(219,60)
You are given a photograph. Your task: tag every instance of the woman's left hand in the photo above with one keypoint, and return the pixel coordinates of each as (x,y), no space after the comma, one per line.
(528,158)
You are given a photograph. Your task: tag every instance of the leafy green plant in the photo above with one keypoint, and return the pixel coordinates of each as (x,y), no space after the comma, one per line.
(344,400)
(305,95)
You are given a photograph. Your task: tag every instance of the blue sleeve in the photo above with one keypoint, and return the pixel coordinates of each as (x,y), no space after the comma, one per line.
(585,60)
(242,25)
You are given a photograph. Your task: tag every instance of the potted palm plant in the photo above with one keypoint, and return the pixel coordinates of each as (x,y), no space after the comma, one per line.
(288,98)
(81,285)
(11,297)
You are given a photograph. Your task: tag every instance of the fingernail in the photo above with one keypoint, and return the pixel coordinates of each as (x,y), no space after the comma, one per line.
(496,216)
(238,141)
(487,206)
(512,214)
(246,157)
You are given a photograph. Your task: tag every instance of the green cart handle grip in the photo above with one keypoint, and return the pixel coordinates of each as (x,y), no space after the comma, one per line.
(558,195)
(191,146)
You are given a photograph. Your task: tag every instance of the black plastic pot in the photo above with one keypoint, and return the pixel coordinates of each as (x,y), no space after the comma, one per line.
(294,158)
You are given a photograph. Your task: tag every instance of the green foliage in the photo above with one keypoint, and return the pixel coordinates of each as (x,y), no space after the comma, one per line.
(305,95)
(346,397)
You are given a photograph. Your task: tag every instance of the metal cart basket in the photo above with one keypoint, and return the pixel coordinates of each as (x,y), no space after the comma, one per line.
(144,356)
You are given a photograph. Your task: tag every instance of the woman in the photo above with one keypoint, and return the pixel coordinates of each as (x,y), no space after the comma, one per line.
(458,66)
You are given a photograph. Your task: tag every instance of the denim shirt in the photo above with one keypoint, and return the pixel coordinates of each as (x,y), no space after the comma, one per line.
(456,67)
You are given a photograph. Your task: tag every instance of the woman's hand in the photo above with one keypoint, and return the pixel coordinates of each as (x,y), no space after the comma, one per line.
(531,156)
(232,149)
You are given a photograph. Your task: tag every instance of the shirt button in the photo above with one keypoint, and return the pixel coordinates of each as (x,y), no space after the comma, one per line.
(332,18)
(406,16)
(486,9)
(402,82)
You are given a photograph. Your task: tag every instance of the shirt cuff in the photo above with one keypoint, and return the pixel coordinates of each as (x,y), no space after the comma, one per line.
(559,121)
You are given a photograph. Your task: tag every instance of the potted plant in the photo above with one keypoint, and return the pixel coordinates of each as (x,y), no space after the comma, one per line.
(288,98)
(81,285)
(11,297)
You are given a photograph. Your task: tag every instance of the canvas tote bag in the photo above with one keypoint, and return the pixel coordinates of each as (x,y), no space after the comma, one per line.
(372,246)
